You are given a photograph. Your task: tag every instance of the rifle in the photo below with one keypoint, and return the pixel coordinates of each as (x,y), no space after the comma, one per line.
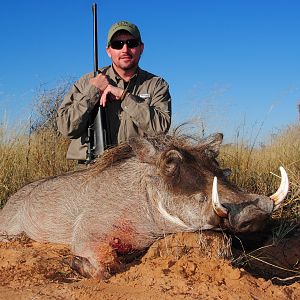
(97,135)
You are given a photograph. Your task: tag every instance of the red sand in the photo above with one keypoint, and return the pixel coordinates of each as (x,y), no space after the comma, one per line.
(182,266)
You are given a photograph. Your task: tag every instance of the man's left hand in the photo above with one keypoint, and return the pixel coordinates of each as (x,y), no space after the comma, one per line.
(116,93)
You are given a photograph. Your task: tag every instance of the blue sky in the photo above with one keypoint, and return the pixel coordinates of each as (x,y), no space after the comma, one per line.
(233,65)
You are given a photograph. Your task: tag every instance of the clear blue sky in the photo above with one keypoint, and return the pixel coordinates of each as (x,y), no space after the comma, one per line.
(236,64)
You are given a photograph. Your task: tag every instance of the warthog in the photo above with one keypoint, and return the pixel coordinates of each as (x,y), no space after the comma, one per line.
(135,194)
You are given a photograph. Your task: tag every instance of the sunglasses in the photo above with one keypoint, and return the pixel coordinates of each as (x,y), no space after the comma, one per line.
(118,45)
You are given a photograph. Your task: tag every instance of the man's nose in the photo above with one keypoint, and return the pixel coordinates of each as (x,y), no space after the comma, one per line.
(125,47)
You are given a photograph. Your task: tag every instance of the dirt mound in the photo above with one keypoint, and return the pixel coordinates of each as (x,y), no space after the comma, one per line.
(182,266)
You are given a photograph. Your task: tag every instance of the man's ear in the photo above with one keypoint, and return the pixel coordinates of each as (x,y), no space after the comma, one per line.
(108,52)
(143,149)
(142,48)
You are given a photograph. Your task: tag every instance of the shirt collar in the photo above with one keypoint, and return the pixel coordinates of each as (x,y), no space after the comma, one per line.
(116,77)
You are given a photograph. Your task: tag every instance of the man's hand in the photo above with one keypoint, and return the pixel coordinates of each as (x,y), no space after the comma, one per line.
(100,81)
(116,92)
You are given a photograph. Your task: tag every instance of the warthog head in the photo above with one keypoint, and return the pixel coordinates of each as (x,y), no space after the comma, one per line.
(196,193)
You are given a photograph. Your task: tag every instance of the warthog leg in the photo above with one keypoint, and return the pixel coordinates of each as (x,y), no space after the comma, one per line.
(82,266)
(96,260)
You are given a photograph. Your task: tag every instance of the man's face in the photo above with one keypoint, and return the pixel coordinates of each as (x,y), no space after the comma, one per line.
(125,58)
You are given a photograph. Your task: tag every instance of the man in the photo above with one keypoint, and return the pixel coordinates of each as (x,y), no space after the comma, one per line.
(137,102)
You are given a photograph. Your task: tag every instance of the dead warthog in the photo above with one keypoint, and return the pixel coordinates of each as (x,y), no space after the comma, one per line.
(135,194)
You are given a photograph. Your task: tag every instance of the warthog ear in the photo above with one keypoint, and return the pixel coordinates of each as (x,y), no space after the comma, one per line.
(143,149)
(212,144)
(170,163)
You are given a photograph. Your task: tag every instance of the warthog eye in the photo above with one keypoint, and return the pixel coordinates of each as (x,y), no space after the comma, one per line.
(227,172)
(245,224)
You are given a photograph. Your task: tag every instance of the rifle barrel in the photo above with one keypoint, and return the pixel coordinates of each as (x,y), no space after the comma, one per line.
(100,130)
(95,39)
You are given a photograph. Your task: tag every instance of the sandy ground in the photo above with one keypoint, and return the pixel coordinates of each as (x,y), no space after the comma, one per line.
(182,266)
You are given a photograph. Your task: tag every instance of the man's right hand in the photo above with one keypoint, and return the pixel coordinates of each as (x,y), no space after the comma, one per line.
(100,81)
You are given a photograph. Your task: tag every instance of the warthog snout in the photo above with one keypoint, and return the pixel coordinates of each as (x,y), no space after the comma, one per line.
(251,213)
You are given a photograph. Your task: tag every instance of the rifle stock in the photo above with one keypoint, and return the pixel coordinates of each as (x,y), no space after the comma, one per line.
(97,140)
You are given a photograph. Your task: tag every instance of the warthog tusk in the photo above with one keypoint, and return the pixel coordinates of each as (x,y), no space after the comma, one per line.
(219,209)
(282,191)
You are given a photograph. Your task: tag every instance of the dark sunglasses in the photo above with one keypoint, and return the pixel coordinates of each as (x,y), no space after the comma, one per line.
(118,45)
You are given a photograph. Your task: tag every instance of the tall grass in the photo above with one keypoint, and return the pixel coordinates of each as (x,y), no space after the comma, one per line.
(28,157)
(255,168)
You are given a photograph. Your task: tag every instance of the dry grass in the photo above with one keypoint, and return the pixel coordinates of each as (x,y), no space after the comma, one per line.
(255,169)
(25,158)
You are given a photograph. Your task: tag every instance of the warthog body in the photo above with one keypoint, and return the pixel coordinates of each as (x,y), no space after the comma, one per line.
(135,194)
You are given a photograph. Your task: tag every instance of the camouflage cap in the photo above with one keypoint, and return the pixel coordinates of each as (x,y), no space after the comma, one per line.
(123,25)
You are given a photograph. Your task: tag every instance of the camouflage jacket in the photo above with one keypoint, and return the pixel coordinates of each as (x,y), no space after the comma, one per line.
(146,109)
